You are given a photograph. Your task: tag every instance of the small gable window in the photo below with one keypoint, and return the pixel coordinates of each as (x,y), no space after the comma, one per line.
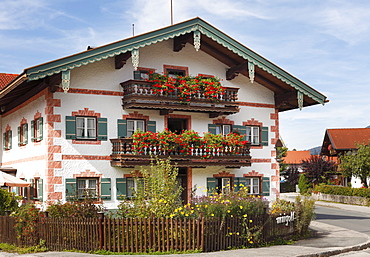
(7,140)
(37,129)
(23,134)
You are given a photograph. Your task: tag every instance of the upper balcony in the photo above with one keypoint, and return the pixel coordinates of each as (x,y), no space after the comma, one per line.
(140,94)
(126,155)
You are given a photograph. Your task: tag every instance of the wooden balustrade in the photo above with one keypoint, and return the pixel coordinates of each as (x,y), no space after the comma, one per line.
(140,94)
(124,154)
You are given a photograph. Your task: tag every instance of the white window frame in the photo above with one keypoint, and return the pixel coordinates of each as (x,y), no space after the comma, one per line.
(223,129)
(136,126)
(87,132)
(253,135)
(253,185)
(86,188)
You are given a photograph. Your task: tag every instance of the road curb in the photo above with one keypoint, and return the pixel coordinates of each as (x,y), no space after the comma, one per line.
(339,251)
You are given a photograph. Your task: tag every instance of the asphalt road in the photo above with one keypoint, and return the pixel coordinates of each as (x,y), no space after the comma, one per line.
(356,221)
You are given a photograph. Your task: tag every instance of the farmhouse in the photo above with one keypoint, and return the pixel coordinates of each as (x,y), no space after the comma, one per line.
(68,124)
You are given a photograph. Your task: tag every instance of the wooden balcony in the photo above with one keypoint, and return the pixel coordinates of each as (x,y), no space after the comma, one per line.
(138,94)
(124,155)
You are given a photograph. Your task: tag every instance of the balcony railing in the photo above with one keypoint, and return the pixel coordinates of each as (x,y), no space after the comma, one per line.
(124,155)
(139,94)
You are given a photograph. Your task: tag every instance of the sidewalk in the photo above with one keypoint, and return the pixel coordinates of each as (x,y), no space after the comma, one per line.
(328,240)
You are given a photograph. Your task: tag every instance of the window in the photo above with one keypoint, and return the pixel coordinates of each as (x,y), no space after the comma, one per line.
(87,187)
(86,127)
(253,185)
(133,185)
(174,73)
(37,129)
(23,134)
(223,129)
(37,189)
(253,135)
(133,125)
(7,140)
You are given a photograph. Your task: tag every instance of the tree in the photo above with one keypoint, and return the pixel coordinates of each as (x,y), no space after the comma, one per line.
(157,192)
(292,175)
(280,154)
(317,169)
(357,163)
(8,201)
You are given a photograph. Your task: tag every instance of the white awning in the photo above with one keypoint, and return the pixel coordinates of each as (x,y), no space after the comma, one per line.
(9,180)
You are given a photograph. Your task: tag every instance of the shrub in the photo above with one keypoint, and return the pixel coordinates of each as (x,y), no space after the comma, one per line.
(305,210)
(26,220)
(78,209)
(8,201)
(339,190)
(158,194)
(303,184)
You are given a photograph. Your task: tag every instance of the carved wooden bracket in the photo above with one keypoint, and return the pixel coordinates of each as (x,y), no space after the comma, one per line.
(180,42)
(235,70)
(121,59)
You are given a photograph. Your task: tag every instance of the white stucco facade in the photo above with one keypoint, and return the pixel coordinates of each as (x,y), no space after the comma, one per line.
(95,90)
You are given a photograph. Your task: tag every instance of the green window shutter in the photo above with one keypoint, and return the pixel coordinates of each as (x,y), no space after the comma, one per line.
(71,188)
(239,183)
(121,128)
(137,74)
(10,139)
(19,136)
(40,190)
(105,189)
(70,127)
(152,126)
(211,185)
(32,130)
(102,129)
(265,136)
(41,128)
(25,133)
(241,130)
(265,186)
(121,185)
(212,128)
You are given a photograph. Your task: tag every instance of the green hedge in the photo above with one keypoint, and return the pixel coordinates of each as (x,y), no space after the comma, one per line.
(340,190)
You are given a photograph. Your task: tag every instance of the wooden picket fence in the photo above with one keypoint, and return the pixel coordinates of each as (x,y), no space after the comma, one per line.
(138,235)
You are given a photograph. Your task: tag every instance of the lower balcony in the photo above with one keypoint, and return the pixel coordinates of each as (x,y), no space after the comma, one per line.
(125,155)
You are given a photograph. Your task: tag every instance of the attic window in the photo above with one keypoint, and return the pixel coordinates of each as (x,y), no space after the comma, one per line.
(174,71)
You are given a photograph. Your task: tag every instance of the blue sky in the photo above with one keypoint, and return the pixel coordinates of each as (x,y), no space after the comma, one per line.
(323,43)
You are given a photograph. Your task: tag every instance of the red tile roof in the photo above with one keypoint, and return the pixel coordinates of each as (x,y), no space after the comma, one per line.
(5,79)
(348,138)
(296,157)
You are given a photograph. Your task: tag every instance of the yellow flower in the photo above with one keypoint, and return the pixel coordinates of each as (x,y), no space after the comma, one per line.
(241,207)
(212,214)
(186,215)
(230,233)
(182,213)
(245,215)
(231,216)
(237,233)
(228,211)
(250,221)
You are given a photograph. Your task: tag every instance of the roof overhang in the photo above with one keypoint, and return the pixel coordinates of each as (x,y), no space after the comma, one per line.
(290,92)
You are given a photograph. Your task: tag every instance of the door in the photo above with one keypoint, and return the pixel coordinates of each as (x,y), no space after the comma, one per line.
(177,125)
(182,179)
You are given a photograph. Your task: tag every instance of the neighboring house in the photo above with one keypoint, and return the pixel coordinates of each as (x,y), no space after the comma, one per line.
(67,123)
(339,141)
(295,158)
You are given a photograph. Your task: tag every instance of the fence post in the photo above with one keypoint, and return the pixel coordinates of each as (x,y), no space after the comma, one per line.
(46,213)
(7,213)
(101,230)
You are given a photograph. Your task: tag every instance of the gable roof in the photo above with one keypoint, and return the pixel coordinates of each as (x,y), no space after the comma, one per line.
(348,139)
(296,157)
(290,92)
(5,79)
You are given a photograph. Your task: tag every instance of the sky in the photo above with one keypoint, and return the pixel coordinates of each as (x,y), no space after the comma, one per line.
(326,44)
